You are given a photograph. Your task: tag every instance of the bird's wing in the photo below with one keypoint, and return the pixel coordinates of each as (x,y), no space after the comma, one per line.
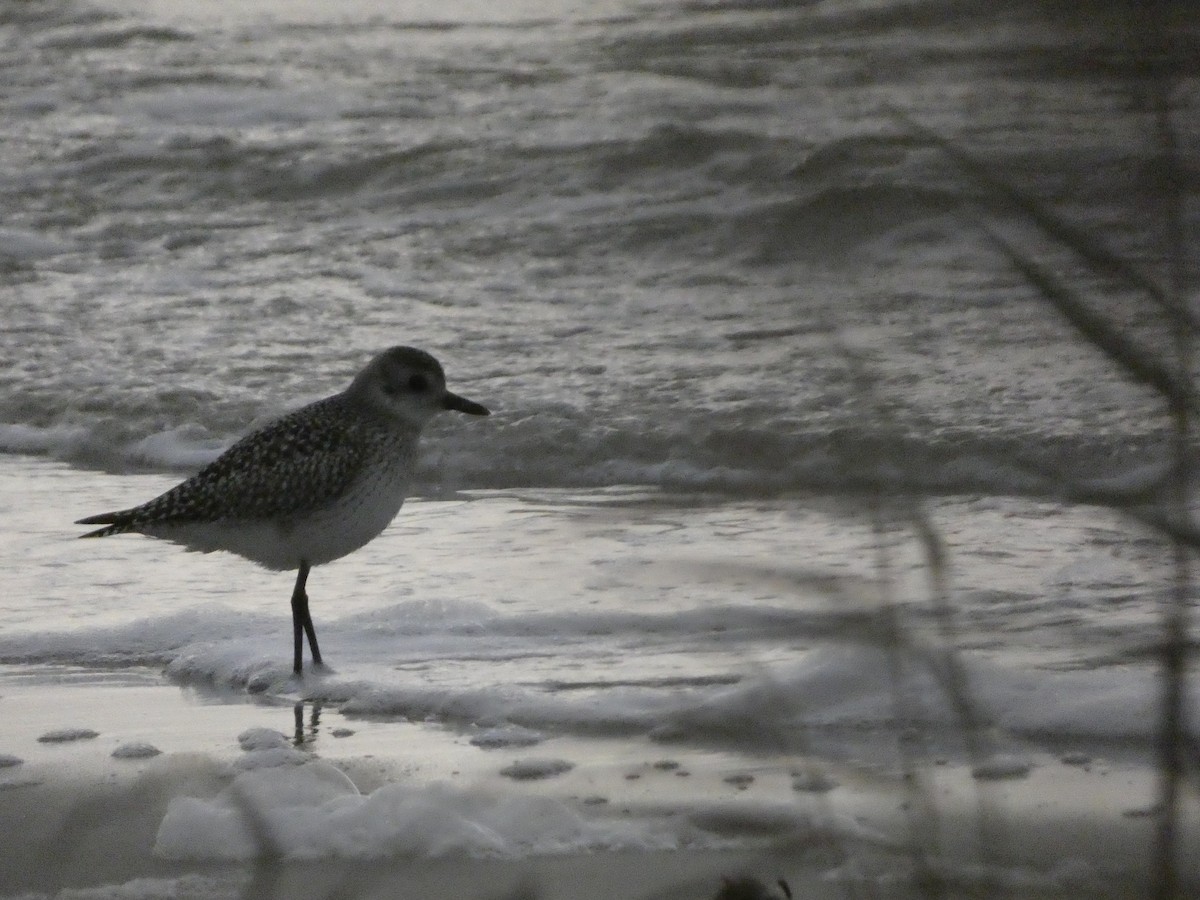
(299,462)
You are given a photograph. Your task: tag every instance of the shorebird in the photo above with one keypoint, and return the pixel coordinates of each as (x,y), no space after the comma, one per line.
(309,487)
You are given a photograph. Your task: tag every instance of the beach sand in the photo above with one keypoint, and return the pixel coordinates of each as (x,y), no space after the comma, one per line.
(74,817)
(77,818)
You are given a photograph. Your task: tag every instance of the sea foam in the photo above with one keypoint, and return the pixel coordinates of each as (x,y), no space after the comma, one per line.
(836,685)
(314,811)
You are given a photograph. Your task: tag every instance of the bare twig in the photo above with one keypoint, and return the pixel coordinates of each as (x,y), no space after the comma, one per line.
(1172,751)
(1089,247)
(1139,362)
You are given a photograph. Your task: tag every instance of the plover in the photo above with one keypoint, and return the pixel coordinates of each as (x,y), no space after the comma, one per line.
(311,486)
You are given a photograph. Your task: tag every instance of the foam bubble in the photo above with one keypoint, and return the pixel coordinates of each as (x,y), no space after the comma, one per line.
(536,769)
(67,735)
(186,447)
(507,736)
(32,439)
(262,739)
(313,811)
(1002,766)
(136,750)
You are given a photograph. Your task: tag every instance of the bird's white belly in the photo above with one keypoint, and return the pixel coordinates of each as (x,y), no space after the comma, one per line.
(318,537)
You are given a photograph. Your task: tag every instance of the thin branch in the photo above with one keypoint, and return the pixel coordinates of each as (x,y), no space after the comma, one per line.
(1102,258)
(1137,361)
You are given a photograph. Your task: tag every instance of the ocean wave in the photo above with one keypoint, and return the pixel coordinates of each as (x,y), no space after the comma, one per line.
(836,221)
(745,461)
(53,14)
(643,243)
(674,145)
(112,37)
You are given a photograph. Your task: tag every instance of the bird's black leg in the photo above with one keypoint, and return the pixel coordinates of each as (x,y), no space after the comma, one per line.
(302,623)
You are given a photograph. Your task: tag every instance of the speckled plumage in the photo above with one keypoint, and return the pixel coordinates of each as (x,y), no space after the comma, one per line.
(293,465)
(311,486)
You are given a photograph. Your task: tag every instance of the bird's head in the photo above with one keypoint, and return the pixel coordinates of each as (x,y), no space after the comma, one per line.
(409,384)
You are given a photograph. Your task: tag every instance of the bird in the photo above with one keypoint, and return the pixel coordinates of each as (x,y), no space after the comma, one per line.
(309,487)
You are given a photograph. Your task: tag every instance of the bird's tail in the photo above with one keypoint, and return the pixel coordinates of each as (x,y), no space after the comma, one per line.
(114,522)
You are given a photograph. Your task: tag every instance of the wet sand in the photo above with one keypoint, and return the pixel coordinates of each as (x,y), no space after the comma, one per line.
(76,817)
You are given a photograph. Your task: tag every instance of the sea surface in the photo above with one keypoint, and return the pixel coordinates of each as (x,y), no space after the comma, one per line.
(771,415)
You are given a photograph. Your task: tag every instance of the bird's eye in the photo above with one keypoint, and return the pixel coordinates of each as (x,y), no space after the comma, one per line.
(417,382)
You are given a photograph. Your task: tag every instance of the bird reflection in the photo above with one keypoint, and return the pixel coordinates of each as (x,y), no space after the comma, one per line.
(306,735)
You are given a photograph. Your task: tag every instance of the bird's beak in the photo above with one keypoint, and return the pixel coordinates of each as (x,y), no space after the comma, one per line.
(463,405)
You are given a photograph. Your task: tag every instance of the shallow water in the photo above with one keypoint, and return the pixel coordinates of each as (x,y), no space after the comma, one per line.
(603,632)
